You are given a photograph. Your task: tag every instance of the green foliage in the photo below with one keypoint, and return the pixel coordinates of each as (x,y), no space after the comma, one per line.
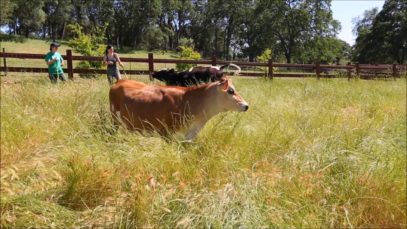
(186,42)
(13,38)
(6,11)
(325,50)
(382,36)
(364,25)
(58,15)
(187,53)
(265,56)
(154,38)
(299,31)
(29,16)
(87,44)
(293,23)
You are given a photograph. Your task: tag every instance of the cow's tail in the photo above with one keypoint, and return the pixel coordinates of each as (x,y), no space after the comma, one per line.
(238,69)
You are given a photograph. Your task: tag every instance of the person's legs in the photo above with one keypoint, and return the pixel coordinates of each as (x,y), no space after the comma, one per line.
(62,77)
(118,76)
(110,79)
(52,77)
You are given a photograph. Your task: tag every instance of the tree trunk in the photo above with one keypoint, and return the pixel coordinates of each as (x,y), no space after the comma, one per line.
(251,57)
(63,30)
(10,26)
(118,42)
(287,56)
(216,41)
(44,31)
(229,33)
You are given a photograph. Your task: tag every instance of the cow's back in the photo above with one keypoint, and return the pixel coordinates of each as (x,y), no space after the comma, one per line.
(118,90)
(141,106)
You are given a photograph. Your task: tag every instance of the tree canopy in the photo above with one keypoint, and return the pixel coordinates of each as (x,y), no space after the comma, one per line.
(301,31)
(382,36)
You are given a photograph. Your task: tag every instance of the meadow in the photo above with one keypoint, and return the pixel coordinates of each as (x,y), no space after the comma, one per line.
(309,153)
(42,47)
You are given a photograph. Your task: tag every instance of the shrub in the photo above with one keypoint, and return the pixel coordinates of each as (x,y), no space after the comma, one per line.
(13,38)
(85,65)
(186,42)
(87,44)
(189,54)
(264,57)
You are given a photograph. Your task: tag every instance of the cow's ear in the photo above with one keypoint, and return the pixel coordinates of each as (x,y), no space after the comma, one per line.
(224,83)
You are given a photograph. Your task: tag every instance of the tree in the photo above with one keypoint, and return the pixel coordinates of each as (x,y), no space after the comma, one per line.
(384,40)
(363,26)
(291,23)
(154,38)
(325,50)
(131,20)
(294,30)
(290,26)
(58,15)
(28,16)
(6,10)
(320,42)
(254,34)
(88,45)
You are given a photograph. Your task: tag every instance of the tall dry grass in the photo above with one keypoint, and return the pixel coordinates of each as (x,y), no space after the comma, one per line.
(308,154)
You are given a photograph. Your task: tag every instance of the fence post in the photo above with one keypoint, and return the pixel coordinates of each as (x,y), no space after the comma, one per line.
(318,69)
(150,65)
(4,61)
(349,71)
(270,65)
(214,60)
(69,63)
(357,69)
(394,70)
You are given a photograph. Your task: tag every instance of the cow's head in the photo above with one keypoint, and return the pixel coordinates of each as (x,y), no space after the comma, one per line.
(227,97)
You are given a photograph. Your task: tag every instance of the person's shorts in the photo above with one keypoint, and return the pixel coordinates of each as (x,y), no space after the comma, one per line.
(54,76)
(113,74)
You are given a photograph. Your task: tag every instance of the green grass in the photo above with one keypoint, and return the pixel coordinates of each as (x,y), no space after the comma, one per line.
(42,47)
(308,153)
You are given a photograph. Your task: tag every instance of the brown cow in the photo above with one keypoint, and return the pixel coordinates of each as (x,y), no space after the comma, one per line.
(167,109)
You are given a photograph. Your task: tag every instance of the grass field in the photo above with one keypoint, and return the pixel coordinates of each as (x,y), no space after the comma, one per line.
(307,154)
(42,47)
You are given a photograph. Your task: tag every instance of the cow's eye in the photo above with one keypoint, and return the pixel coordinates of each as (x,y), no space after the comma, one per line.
(231,91)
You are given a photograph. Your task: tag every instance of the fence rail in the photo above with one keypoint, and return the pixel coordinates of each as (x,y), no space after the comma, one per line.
(316,69)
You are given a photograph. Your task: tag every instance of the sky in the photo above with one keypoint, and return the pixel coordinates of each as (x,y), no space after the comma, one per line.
(345,10)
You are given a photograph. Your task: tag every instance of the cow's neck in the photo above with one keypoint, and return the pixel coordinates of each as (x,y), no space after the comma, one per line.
(197,101)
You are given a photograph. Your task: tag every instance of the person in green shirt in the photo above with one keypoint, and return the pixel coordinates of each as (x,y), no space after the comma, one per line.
(55,62)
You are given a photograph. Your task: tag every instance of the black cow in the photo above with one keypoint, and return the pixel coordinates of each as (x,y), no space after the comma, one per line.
(195,75)
(171,77)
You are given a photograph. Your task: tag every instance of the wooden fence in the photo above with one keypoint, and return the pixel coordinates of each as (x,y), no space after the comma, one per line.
(285,70)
